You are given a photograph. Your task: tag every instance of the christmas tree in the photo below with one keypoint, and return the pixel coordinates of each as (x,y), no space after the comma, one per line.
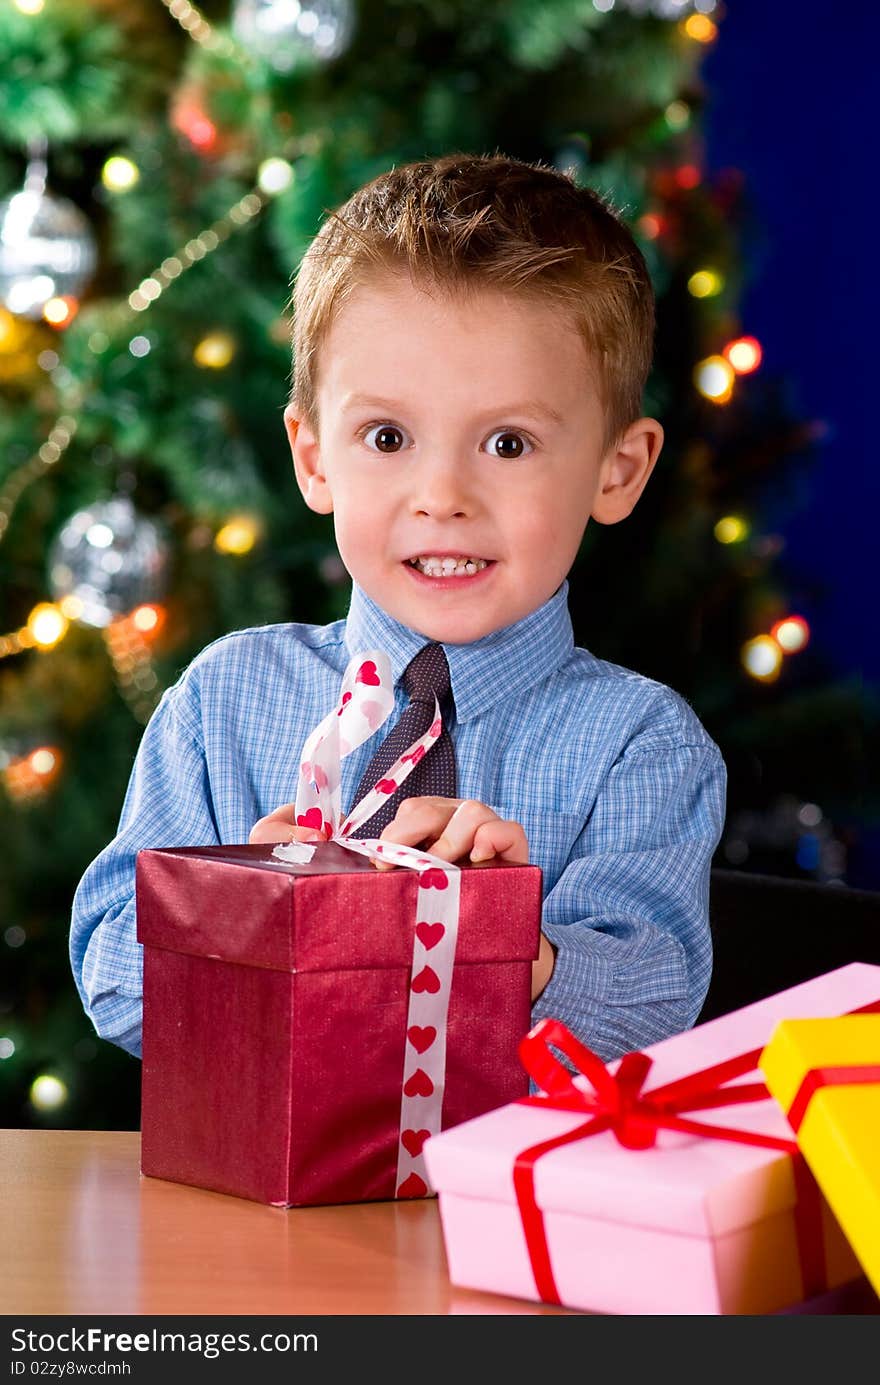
(162,170)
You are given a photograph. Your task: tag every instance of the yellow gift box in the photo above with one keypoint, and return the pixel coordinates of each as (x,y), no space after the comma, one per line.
(825,1074)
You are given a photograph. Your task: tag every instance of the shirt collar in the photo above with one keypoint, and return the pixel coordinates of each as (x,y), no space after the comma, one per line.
(484,672)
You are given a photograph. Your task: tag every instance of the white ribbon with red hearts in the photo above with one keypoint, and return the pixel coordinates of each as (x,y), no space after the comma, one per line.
(366,699)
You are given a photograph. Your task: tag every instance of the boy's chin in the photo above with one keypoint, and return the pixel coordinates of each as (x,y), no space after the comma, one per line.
(447,628)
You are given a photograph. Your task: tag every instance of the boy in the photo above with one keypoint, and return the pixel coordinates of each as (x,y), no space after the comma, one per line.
(472,338)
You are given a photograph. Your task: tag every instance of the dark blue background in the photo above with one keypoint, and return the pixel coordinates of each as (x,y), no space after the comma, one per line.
(789,102)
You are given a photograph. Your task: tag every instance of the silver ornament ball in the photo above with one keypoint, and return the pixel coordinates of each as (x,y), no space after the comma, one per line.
(110,558)
(47,250)
(289,34)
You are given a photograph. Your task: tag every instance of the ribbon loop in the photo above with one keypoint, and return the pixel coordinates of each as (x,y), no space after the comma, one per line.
(555,1079)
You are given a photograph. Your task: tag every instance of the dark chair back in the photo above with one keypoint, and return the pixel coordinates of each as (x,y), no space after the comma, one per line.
(770,932)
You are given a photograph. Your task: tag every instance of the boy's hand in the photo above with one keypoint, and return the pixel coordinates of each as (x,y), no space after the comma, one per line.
(457,829)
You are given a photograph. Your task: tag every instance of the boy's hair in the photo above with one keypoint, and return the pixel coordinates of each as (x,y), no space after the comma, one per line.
(466,222)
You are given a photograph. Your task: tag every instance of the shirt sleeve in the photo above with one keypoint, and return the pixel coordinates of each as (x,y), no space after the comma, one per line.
(168,803)
(630,913)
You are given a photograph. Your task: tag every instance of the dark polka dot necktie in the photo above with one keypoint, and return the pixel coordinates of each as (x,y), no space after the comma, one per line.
(425,677)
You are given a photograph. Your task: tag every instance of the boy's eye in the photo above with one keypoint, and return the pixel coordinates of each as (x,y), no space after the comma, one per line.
(388,437)
(510,445)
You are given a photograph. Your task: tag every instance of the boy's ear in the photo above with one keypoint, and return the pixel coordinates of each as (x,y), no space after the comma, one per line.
(306,452)
(625,470)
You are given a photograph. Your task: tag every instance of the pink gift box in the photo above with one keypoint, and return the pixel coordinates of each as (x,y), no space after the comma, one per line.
(691,1225)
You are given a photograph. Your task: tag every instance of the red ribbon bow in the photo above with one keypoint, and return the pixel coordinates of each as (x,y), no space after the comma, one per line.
(619,1103)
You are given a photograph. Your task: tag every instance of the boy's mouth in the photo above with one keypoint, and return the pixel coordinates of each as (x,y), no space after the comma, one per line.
(448,565)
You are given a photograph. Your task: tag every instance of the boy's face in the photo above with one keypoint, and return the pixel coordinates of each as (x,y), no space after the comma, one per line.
(461,430)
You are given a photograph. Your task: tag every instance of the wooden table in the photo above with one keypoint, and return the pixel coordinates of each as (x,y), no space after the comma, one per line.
(81,1231)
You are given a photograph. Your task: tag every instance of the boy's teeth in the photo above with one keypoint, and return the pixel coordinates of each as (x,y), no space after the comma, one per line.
(448,567)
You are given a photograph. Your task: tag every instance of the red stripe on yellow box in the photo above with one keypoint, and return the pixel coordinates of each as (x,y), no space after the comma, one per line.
(819,1071)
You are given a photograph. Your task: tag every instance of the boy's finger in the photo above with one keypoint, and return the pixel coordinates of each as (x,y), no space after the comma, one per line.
(267,830)
(416,819)
(500,839)
(279,826)
(277,831)
(459,834)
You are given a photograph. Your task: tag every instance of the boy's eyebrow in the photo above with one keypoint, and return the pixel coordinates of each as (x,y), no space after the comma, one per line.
(535,407)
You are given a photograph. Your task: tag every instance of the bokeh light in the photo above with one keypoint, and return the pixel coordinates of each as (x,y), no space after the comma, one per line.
(274,176)
(700,28)
(48,624)
(60,311)
(47,1092)
(792,634)
(705,283)
(238,535)
(119,173)
(762,658)
(731,529)
(714,378)
(744,354)
(215,351)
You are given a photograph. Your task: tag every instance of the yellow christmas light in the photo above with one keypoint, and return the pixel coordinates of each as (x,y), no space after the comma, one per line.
(47,624)
(762,658)
(792,634)
(215,351)
(58,312)
(700,28)
(119,173)
(47,1092)
(714,378)
(29,6)
(147,619)
(238,535)
(705,283)
(731,529)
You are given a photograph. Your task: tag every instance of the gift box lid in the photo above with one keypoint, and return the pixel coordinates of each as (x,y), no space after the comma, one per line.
(238,904)
(684,1183)
(800,1046)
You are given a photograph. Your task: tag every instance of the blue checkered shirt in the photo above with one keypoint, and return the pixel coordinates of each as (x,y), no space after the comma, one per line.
(617,785)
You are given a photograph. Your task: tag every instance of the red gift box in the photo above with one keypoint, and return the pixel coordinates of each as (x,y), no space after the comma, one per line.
(275,1015)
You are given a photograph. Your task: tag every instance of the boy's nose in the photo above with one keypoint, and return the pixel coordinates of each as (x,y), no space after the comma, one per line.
(441,492)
